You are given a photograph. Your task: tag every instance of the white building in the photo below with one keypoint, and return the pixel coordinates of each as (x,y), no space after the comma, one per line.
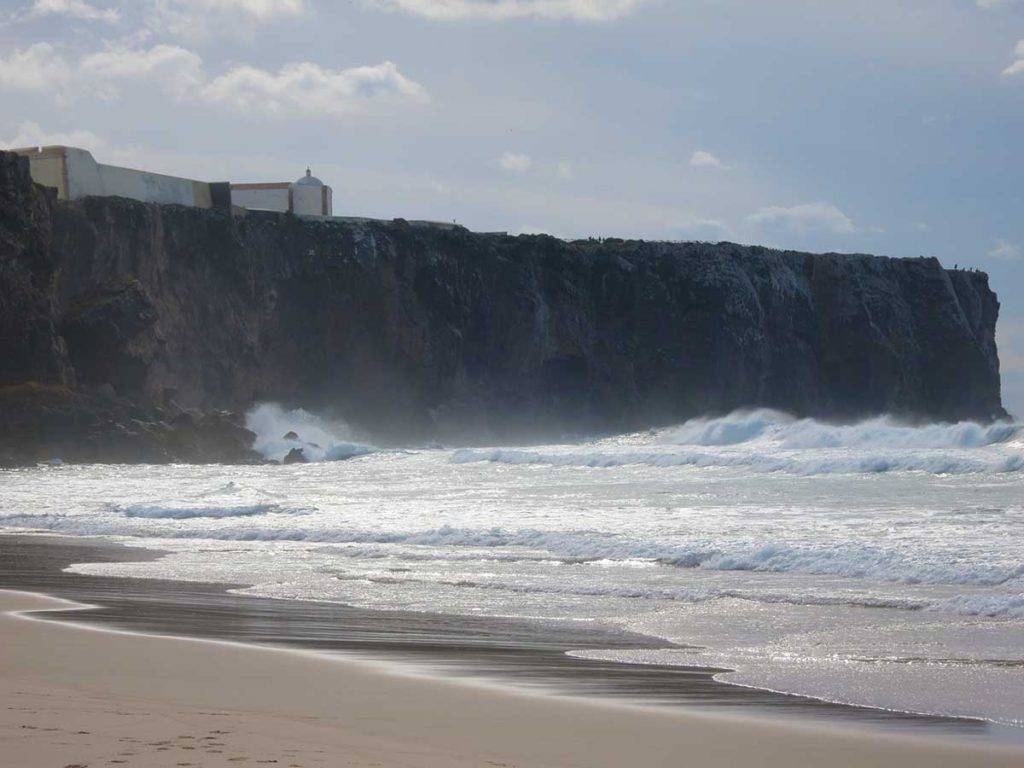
(306,197)
(75,174)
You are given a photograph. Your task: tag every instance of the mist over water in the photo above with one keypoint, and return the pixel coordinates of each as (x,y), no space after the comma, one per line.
(877,563)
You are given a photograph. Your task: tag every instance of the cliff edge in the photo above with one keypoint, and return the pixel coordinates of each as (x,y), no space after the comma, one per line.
(416,332)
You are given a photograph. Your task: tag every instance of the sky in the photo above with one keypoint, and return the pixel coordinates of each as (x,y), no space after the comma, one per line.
(892,127)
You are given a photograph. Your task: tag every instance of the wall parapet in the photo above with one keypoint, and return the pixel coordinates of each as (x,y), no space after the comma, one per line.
(75,174)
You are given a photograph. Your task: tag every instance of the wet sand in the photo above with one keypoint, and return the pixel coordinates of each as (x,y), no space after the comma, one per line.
(75,696)
(165,701)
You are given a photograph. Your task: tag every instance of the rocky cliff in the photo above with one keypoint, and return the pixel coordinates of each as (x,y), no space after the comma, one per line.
(413,332)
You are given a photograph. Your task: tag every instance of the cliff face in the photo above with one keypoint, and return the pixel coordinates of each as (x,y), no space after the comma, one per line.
(412,331)
(30,348)
(63,359)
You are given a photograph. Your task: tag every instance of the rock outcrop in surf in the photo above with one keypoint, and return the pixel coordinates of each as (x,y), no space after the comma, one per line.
(413,332)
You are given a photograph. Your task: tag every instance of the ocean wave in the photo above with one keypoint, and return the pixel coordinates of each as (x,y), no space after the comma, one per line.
(882,432)
(988,606)
(855,562)
(936,463)
(155,512)
(643,592)
(318,439)
(767,441)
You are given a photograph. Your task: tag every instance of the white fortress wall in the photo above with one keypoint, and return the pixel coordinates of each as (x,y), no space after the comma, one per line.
(261,197)
(308,201)
(47,166)
(87,177)
(76,174)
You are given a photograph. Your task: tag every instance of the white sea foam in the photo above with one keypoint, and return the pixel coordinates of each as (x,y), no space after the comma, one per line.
(991,606)
(318,439)
(851,562)
(936,463)
(647,592)
(768,441)
(803,544)
(883,432)
(189,513)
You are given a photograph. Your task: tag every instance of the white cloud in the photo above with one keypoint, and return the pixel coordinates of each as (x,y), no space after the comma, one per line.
(1018,66)
(702,159)
(178,70)
(42,68)
(301,88)
(499,10)
(810,217)
(77,9)
(203,18)
(515,163)
(31,134)
(39,67)
(309,89)
(1006,251)
(263,10)
(564,171)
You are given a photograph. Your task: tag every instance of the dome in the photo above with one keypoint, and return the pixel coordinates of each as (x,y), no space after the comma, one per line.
(309,180)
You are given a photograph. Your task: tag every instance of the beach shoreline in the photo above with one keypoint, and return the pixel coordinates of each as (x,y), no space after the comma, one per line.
(87,696)
(51,658)
(515,653)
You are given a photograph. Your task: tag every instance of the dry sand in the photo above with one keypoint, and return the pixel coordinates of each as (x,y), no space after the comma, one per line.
(75,696)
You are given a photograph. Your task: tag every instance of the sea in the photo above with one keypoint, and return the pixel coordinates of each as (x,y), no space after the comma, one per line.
(879,564)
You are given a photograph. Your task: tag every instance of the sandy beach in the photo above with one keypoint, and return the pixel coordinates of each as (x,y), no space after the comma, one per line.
(78,696)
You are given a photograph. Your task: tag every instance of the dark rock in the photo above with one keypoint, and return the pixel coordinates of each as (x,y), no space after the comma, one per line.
(296,456)
(422,332)
(290,436)
(108,331)
(30,347)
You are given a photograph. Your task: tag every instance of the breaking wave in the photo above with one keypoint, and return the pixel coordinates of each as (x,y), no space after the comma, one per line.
(932,463)
(680,594)
(318,439)
(992,607)
(768,441)
(791,433)
(855,562)
(188,513)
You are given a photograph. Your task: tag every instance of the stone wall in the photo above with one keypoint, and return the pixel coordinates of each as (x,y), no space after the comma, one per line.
(262,197)
(75,174)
